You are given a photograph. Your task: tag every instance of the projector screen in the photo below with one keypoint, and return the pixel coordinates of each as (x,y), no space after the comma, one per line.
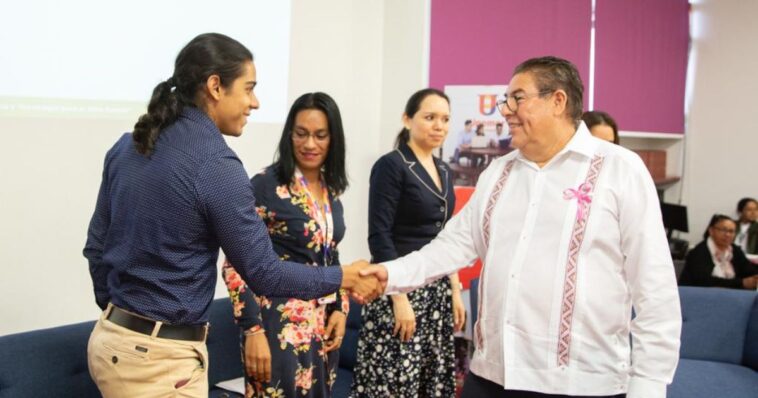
(102,59)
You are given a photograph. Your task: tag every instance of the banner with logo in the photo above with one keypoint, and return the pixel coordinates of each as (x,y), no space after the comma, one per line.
(475,103)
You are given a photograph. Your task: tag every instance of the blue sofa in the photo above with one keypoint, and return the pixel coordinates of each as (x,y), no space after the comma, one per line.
(348,353)
(719,352)
(53,362)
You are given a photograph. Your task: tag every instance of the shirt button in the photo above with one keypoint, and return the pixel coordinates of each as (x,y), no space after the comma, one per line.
(438,224)
(114,359)
(442,209)
(513,276)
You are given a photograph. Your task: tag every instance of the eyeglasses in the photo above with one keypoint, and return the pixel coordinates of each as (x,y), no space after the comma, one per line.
(512,101)
(727,231)
(301,135)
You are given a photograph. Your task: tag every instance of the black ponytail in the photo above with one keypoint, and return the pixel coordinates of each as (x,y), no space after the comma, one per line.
(402,137)
(206,55)
(164,108)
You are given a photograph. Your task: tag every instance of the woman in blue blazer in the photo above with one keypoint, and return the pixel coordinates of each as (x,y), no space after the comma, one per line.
(406,342)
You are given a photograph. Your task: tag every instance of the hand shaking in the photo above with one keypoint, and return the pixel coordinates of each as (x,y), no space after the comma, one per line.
(365,282)
(377,270)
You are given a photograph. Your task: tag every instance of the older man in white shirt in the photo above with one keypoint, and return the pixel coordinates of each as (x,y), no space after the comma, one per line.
(570,233)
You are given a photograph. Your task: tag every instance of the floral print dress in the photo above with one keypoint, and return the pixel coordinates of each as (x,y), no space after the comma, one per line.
(294,328)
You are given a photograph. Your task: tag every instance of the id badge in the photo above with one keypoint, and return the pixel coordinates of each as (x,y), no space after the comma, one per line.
(328,299)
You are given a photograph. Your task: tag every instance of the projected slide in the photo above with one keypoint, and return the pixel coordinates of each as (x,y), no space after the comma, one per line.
(87,58)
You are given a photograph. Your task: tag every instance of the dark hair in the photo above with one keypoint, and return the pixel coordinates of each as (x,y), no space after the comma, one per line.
(467,122)
(479,127)
(743,202)
(717,218)
(334,164)
(411,107)
(206,55)
(594,118)
(553,73)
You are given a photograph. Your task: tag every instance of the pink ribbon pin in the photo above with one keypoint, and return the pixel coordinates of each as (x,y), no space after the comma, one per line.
(582,196)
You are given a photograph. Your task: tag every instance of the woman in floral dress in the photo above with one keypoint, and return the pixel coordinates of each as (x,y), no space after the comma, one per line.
(405,348)
(290,346)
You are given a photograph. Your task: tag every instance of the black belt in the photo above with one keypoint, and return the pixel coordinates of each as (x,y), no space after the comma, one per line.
(146,326)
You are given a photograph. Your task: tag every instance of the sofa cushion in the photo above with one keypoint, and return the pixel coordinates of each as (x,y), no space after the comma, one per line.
(349,347)
(53,362)
(223,342)
(47,363)
(750,356)
(341,387)
(696,378)
(714,323)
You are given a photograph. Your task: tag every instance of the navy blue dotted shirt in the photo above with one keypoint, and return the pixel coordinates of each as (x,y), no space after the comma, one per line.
(154,238)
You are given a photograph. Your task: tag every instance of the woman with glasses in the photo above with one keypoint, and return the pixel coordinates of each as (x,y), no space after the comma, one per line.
(405,348)
(717,262)
(290,346)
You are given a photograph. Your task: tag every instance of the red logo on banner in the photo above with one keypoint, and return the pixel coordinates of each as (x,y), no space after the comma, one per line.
(487,104)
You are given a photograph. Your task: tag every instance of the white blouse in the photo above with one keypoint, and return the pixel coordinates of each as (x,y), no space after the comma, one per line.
(722,260)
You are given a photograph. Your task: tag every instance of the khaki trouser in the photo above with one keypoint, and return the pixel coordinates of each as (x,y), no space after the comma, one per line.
(124,363)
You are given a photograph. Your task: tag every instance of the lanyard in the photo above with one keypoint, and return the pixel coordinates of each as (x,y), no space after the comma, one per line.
(323,216)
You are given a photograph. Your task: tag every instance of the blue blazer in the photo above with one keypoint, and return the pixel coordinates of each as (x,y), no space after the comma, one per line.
(406,209)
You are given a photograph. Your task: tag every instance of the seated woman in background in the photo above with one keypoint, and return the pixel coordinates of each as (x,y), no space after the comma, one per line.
(290,346)
(716,262)
(602,126)
(747,228)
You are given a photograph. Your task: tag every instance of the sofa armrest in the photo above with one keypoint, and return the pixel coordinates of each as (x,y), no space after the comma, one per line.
(224,353)
(750,355)
(715,323)
(47,363)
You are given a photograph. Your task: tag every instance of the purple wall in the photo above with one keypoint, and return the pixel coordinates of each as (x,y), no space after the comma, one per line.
(641,63)
(640,60)
(481,41)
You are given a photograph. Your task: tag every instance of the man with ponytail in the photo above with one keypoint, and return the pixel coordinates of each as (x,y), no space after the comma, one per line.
(172,194)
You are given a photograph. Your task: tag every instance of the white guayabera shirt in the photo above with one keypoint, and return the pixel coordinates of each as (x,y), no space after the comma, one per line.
(567,250)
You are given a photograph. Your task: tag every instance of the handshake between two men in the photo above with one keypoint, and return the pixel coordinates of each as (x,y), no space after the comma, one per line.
(364,280)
